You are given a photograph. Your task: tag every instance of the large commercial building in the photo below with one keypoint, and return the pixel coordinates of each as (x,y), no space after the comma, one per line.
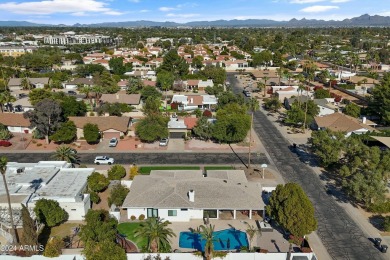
(72,38)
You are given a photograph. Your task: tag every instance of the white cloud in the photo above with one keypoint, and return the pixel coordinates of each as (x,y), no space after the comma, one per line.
(182,15)
(134,1)
(305,1)
(340,1)
(75,7)
(144,11)
(167,9)
(318,8)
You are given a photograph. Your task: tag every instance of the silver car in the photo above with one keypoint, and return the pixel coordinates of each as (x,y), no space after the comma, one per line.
(113,142)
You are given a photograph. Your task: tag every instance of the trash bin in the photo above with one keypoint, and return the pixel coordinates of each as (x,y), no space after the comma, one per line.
(384,248)
(378,241)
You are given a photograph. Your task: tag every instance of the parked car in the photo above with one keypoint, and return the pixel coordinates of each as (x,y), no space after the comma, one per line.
(5,143)
(113,142)
(247,94)
(71,92)
(164,142)
(104,160)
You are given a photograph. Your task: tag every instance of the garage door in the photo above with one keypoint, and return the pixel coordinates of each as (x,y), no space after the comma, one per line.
(176,135)
(109,135)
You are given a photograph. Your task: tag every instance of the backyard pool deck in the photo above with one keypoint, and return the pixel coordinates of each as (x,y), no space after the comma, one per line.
(265,241)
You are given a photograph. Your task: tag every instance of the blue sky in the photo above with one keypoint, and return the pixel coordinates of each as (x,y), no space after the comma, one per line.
(95,11)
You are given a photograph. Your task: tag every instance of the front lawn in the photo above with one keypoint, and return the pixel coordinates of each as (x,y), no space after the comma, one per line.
(207,168)
(127,229)
(145,170)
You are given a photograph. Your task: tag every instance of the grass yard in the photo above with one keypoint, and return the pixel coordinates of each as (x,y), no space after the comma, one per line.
(127,229)
(145,170)
(206,168)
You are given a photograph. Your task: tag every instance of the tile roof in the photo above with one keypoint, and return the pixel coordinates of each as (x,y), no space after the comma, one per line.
(169,189)
(341,122)
(103,122)
(192,82)
(11,119)
(130,99)
(190,122)
(195,100)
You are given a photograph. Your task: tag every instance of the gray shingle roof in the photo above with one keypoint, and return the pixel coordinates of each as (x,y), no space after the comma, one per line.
(219,190)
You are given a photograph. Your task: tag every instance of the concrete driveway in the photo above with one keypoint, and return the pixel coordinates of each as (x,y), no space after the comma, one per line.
(176,145)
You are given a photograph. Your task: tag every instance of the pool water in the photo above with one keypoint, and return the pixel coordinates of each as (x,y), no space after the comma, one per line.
(228,239)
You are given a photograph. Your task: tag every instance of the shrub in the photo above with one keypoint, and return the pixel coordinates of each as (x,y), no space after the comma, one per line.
(118,195)
(133,217)
(116,172)
(380,207)
(91,133)
(5,134)
(97,182)
(133,172)
(39,144)
(121,137)
(94,197)
(34,141)
(141,217)
(91,114)
(83,166)
(386,224)
(53,248)
(207,113)
(5,143)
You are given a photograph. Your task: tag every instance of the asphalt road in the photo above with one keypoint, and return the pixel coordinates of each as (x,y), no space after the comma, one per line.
(152,158)
(341,236)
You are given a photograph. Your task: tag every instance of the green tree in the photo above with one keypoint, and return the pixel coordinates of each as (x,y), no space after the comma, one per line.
(272,104)
(66,133)
(203,129)
(5,98)
(30,236)
(165,80)
(46,117)
(134,86)
(91,133)
(118,195)
(352,110)
(321,93)
(153,127)
(386,224)
(292,209)
(66,153)
(54,247)
(38,94)
(252,231)
(228,97)
(173,63)
(97,182)
(152,106)
(217,74)
(157,233)
(327,146)
(89,69)
(232,125)
(116,65)
(116,172)
(49,212)
(295,115)
(104,250)
(3,170)
(207,233)
(149,91)
(380,102)
(71,107)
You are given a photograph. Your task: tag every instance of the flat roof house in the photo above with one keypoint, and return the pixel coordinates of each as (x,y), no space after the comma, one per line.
(184,195)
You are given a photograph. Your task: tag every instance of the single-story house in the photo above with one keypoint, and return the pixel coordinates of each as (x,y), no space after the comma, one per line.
(343,123)
(74,84)
(177,128)
(16,83)
(24,103)
(16,123)
(283,92)
(325,107)
(176,195)
(193,102)
(109,126)
(129,99)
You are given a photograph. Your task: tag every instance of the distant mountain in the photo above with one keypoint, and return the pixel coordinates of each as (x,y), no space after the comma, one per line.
(363,20)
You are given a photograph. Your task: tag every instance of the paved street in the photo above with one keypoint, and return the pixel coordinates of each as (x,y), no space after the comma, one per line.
(340,235)
(152,158)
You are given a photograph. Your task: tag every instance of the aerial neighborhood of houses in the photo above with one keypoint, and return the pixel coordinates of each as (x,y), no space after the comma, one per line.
(125,145)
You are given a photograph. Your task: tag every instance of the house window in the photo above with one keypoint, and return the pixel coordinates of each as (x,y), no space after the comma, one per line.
(184,209)
(152,213)
(73,209)
(210,213)
(172,213)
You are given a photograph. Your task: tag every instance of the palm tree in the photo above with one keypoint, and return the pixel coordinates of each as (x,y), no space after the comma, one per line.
(66,153)
(260,85)
(157,233)
(265,78)
(6,98)
(280,73)
(207,233)
(3,169)
(251,231)
(253,105)
(87,91)
(25,83)
(98,93)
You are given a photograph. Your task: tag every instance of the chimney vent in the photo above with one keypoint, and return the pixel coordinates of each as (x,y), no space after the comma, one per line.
(191,196)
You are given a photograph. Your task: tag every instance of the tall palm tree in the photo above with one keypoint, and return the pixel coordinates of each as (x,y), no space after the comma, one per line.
(158,234)
(87,91)
(6,98)
(253,105)
(3,169)
(252,231)
(66,153)
(98,93)
(207,233)
(265,78)
(280,72)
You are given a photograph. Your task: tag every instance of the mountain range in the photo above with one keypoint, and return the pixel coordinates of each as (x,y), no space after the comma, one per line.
(361,21)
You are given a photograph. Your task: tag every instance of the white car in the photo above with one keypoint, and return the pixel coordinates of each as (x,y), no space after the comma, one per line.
(113,142)
(164,142)
(104,160)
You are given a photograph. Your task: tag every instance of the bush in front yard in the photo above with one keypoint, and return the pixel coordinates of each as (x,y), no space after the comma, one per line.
(94,197)
(207,113)
(91,133)
(133,217)
(141,217)
(116,172)
(386,224)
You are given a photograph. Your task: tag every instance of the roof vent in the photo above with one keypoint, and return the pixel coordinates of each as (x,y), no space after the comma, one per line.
(225,181)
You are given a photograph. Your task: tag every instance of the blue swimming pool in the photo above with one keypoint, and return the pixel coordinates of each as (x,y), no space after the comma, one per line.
(228,239)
